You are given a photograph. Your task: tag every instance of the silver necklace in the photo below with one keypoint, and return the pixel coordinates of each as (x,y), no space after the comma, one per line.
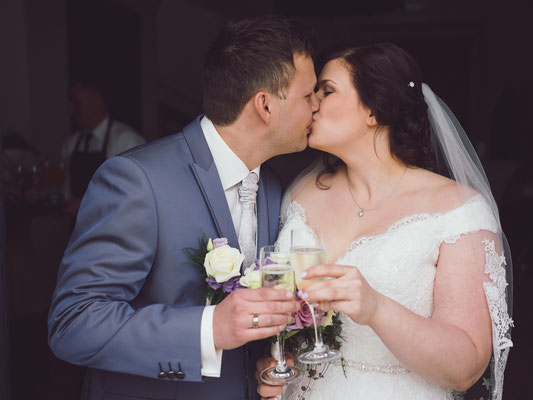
(362,210)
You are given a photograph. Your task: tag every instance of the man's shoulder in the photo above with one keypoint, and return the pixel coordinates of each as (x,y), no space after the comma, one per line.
(159,147)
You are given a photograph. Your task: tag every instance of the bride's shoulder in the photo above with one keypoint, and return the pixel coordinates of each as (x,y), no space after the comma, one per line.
(441,192)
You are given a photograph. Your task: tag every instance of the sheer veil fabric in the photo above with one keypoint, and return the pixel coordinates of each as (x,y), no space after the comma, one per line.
(457,159)
(462,164)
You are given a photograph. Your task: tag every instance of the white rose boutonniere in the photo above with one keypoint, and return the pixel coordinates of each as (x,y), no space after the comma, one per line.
(221,267)
(223,263)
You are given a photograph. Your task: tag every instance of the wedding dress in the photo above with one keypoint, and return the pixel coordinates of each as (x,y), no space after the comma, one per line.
(401,264)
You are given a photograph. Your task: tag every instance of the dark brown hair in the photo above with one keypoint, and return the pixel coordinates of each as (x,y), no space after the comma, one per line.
(389,83)
(248,56)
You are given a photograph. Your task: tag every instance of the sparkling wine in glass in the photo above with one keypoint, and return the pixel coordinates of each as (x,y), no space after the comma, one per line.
(277,273)
(307,250)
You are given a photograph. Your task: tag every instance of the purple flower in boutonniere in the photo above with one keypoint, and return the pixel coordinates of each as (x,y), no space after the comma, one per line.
(228,287)
(219,242)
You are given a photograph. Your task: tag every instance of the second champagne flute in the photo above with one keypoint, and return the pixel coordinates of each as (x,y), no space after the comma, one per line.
(307,250)
(277,273)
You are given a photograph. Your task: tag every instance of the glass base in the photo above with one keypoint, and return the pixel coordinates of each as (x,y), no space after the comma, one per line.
(271,376)
(319,356)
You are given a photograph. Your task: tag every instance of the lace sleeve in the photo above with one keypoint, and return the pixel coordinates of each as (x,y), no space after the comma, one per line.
(475,219)
(495,291)
(284,210)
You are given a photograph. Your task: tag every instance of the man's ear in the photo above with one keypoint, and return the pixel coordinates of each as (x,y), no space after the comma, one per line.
(263,105)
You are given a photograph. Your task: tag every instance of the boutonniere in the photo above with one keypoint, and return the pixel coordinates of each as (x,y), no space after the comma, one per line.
(221,266)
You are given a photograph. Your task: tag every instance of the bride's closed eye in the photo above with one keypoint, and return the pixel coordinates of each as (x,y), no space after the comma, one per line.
(324,91)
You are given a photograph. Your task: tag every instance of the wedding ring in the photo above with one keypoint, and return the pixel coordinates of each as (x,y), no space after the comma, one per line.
(255,321)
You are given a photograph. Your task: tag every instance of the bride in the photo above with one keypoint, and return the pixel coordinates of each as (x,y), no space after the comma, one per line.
(412,234)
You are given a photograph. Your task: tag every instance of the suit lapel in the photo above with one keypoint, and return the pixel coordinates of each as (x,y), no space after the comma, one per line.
(209,183)
(206,174)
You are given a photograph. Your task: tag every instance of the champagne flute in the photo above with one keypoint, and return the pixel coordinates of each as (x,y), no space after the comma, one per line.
(277,273)
(307,249)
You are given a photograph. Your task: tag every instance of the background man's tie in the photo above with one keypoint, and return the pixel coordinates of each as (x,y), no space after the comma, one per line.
(87,137)
(248,227)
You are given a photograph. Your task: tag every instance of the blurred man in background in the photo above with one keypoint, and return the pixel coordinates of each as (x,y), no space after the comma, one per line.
(97,137)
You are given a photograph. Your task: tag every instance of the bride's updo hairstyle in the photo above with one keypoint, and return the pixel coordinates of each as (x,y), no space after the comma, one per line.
(389,83)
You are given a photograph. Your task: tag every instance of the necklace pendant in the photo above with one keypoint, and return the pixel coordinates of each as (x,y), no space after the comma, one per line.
(361,213)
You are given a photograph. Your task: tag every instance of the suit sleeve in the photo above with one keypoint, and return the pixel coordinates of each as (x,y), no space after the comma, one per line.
(111,252)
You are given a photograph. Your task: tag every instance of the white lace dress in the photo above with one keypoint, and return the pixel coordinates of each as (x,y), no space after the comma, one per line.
(401,264)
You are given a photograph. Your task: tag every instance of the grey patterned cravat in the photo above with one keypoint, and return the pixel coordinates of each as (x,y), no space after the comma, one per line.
(248,228)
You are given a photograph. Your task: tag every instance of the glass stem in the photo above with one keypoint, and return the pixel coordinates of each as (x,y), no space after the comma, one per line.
(319,345)
(282,364)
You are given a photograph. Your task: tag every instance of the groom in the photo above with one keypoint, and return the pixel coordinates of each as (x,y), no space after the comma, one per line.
(127,305)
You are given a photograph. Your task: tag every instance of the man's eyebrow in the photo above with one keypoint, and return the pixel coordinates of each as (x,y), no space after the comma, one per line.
(312,88)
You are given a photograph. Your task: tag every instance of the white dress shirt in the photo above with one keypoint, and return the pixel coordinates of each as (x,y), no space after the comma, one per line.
(232,171)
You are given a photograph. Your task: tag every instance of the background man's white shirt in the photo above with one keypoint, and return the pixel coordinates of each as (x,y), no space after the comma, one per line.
(121,138)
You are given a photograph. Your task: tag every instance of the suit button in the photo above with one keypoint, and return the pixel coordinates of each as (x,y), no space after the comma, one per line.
(180,374)
(162,374)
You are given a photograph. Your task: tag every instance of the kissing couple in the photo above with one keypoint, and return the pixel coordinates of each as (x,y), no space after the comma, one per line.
(416,257)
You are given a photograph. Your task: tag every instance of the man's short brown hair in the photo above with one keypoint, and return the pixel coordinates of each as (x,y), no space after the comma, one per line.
(248,56)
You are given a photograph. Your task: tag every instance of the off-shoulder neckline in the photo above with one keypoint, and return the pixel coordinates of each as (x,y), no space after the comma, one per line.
(402,222)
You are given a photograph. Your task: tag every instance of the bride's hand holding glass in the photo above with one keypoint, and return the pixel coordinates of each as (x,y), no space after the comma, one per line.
(348,292)
(307,250)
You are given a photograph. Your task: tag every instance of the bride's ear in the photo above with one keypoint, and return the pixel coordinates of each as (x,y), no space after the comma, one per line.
(263,105)
(371,120)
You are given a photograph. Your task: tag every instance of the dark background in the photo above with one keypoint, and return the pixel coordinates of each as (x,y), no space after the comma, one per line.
(148,53)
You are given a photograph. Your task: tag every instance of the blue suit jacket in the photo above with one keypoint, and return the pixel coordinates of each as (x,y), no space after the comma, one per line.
(125,303)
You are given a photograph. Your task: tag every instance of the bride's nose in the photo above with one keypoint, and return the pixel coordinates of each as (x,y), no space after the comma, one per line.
(315,103)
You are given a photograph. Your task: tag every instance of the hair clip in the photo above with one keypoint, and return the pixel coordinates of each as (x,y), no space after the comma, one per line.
(412,84)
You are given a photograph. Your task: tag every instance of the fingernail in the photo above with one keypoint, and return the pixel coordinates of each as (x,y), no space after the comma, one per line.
(304,295)
(299,293)
(289,295)
(315,304)
(303,274)
(284,387)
